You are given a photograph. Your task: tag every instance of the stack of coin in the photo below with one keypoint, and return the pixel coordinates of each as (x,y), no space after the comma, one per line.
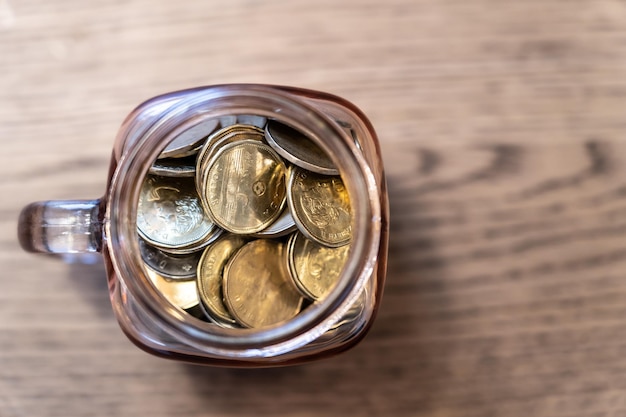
(245,220)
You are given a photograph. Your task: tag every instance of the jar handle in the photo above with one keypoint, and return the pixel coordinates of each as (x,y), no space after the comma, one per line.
(61,227)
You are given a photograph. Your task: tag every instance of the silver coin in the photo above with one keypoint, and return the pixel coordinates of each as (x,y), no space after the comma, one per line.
(174,167)
(170,214)
(215,233)
(253,120)
(298,149)
(226,121)
(186,143)
(281,227)
(168,265)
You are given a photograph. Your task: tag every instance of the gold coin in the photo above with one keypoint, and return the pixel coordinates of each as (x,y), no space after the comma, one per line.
(210,270)
(234,136)
(354,312)
(216,141)
(283,226)
(180,293)
(314,268)
(320,206)
(244,189)
(257,289)
(170,214)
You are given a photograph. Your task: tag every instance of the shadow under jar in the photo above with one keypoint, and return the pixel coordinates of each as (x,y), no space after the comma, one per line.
(272,248)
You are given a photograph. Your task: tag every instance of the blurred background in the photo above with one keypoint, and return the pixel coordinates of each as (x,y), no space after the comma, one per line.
(502,130)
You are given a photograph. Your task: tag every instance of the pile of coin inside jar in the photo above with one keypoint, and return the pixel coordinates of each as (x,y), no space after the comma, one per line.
(243,222)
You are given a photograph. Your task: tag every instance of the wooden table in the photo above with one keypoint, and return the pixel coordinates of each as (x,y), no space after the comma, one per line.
(503,132)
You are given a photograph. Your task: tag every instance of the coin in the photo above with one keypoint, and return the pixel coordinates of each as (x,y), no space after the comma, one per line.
(244,190)
(185,143)
(222,137)
(233,179)
(298,149)
(180,293)
(170,214)
(175,167)
(282,226)
(314,268)
(168,265)
(251,119)
(209,273)
(320,206)
(227,121)
(257,289)
(218,140)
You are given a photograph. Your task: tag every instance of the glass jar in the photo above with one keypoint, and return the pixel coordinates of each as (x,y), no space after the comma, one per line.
(109,225)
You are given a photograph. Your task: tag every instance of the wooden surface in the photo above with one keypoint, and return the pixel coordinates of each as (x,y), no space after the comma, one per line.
(503,132)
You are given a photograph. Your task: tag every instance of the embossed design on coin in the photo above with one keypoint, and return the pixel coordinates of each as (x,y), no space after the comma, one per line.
(170,215)
(180,293)
(314,268)
(298,149)
(320,207)
(168,265)
(210,271)
(235,175)
(257,289)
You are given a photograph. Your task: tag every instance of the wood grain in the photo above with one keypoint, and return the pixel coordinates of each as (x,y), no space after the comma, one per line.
(502,130)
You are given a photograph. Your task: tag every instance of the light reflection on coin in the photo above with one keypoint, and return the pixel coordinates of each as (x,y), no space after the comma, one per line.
(185,143)
(180,293)
(170,214)
(170,266)
(210,270)
(298,149)
(257,289)
(245,187)
(320,206)
(314,268)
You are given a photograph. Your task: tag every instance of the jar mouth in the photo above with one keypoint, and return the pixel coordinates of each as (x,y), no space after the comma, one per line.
(270,102)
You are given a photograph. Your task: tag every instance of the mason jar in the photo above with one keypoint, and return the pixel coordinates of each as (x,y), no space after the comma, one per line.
(108,226)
